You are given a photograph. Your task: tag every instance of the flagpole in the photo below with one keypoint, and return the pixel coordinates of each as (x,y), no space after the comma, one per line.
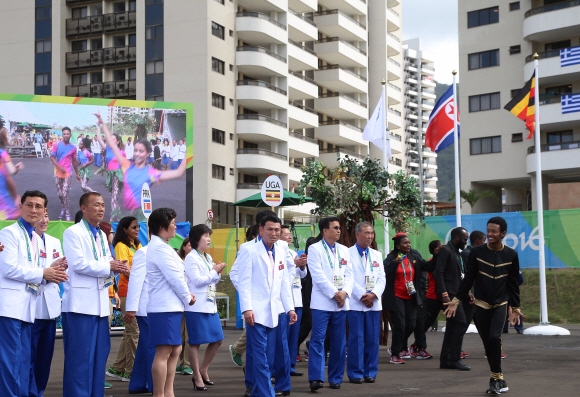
(386,165)
(544,328)
(456,147)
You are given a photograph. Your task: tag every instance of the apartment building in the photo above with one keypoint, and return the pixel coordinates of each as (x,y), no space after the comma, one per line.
(274,83)
(496,46)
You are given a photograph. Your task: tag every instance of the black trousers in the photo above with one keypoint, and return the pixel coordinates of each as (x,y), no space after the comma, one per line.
(431,308)
(469,310)
(490,324)
(455,328)
(404,319)
(305,324)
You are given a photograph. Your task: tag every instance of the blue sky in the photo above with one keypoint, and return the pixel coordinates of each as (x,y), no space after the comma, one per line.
(44,113)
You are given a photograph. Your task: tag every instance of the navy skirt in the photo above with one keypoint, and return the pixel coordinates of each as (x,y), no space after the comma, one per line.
(203,328)
(165,328)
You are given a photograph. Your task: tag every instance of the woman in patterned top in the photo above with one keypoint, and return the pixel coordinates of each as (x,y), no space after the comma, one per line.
(9,198)
(85,159)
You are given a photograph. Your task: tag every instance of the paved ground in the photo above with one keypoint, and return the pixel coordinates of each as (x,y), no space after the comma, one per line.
(535,366)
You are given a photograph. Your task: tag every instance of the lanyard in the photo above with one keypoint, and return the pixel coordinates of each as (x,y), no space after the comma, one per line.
(95,254)
(461,266)
(204,258)
(324,244)
(27,239)
(369,262)
(410,269)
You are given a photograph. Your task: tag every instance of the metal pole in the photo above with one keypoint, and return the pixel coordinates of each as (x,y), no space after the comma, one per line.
(456,147)
(386,165)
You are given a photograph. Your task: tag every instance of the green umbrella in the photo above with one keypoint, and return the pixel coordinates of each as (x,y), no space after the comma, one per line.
(255,200)
(22,124)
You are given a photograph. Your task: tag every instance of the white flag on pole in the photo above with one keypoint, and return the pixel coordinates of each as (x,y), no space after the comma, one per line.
(376,128)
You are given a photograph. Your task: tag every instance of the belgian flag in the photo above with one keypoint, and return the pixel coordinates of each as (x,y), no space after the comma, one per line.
(523,105)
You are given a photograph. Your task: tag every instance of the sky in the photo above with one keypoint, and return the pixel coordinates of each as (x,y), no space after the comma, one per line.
(44,113)
(435,22)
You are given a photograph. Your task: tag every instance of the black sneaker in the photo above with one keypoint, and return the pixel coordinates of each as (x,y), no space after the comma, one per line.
(503,387)
(493,387)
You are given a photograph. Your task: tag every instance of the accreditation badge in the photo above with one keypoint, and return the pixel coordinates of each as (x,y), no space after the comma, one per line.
(105,282)
(296,283)
(369,283)
(339,282)
(33,288)
(211,292)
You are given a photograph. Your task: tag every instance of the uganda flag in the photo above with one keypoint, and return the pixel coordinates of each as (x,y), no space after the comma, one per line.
(523,105)
(273,195)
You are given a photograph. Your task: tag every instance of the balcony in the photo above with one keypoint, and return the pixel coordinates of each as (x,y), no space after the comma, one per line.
(301,28)
(394,120)
(335,23)
(551,71)
(110,89)
(301,87)
(294,170)
(301,57)
(427,105)
(338,51)
(300,116)
(393,45)
(104,57)
(341,79)
(261,161)
(265,6)
(426,69)
(552,117)
(340,106)
(301,146)
(396,144)
(80,2)
(350,7)
(393,20)
(561,160)
(329,157)
(393,69)
(303,5)
(427,93)
(260,62)
(552,22)
(259,29)
(340,133)
(427,82)
(394,94)
(259,95)
(97,24)
(260,128)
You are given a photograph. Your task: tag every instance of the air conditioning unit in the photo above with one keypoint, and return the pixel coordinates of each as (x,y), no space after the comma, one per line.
(109,89)
(109,20)
(109,53)
(96,90)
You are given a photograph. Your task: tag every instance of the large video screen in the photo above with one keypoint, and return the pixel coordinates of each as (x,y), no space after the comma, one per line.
(39,131)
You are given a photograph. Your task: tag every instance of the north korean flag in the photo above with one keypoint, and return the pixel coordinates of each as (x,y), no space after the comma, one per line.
(439,132)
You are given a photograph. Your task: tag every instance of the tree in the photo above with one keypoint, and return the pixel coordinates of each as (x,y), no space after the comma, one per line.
(354,190)
(472,196)
(137,124)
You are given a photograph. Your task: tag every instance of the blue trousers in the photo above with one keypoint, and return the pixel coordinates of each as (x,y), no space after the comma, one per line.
(258,338)
(278,357)
(41,351)
(293,331)
(363,344)
(141,378)
(14,357)
(87,344)
(336,322)
(97,159)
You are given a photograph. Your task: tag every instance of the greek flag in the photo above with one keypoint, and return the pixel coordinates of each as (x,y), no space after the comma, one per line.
(570,103)
(569,56)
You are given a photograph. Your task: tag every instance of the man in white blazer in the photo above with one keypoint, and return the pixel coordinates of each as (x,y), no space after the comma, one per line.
(364,315)
(331,270)
(20,279)
(47,310)
(85,302)
(136,310)
(262,286)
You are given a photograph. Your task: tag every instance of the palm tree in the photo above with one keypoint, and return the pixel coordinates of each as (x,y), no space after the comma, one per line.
(472,196)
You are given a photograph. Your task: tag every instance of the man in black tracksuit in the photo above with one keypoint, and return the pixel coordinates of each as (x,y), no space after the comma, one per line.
(449,270)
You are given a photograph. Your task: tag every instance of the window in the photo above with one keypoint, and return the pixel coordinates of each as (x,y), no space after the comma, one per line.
(154,32)
(119,6)
(223,212)
(154,67)
(132,39)
(557,45)
(560,90)
(560,137)
(133,5)
(483,17)
(218,101)
(218,136)
(153,1)
(79,45)
(220,1)
(515,6)
(42,79)
(43,46)
(513,93)
(515,49)
(217,30)
(490,144)
(483,59)
(218,172)
(119,75)
(80,12)
(119,41)
(97,77)
(517,137)
(133,74)
(154,98)
(217,65)
(478,103)
(96,44)
(43,12)
(80,79)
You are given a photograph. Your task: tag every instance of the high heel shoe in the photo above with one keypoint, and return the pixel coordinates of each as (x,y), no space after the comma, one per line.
(207,382)
(196,387)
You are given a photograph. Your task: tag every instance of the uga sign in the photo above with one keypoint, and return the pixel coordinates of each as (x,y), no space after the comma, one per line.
(272,191)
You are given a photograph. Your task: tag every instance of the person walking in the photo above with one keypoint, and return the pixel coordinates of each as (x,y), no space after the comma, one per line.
(85,159)
(114,150)
(9,198)
(63,156)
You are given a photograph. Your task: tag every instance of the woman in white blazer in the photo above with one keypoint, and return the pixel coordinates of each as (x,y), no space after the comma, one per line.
(202,319)
(168,294)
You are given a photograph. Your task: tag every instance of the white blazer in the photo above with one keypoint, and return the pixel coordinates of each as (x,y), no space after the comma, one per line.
(82,293)
(199,278)
(295,278)
(323,288)
(48,303)
(255,291)
(168,291)
(15,272)
(359,271)
(138,288)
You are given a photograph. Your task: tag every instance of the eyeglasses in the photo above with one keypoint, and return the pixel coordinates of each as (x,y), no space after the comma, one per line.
(135,227)
(336,227)
(37,207)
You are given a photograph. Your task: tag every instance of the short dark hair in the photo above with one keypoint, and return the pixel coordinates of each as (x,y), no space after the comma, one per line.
(285,227)
(66,129)
(181,251)
(433,246)
(309,242)
(455,232)
(196,232)
(85,197)
(34,193)
(121,235)
(160,218)
(476,235)
(498,220)
(324,223)
(78,216)
(270,218)
(145,143)
(262,214)
(252,232)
